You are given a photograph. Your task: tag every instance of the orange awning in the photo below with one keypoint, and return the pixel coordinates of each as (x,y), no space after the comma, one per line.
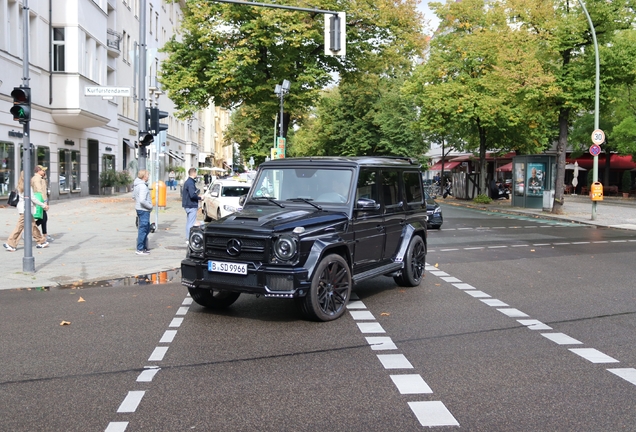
(447,166)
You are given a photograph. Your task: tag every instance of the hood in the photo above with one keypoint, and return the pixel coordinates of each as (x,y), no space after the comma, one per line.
(277,219)
(138,181)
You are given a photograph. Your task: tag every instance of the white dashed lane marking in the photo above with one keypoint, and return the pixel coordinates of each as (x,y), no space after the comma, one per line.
(513,313)
(411,384)
(176,322)
(394,361)
(131,402)
(593,355)
(533,324)
(380,343)
(628,374)
(116,427)
(361,315)
(372,327)
(561,339)
(168,336)
(158,354)
(148,374)
(473,248)
(432,413)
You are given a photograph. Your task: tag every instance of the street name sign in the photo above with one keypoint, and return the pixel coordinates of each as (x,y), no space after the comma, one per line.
(107,91)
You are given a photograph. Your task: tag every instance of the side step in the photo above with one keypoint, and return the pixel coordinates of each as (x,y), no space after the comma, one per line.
(388,268)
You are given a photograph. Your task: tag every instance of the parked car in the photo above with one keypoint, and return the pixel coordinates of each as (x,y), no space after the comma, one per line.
(434,213)
(222,198)
(310,229)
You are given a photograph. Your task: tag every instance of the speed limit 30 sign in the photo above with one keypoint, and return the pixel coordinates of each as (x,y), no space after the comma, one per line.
(598,137)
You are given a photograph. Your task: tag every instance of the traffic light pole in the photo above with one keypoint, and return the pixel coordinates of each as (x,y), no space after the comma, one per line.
(142,86)
(28,262)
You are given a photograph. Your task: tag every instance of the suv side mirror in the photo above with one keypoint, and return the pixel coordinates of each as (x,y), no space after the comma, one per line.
(242,199)
(214,194)
(367,204)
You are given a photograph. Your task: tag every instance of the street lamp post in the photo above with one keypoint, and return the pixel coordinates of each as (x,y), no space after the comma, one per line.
(281,90)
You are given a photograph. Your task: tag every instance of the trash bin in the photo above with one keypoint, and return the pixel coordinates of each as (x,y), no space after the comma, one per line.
(548,199)
(161,187)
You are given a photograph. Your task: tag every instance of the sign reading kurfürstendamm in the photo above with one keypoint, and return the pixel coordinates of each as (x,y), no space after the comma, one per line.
(107,91)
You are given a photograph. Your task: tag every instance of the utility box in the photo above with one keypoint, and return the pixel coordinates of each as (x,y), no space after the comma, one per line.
(596,191)
(533,181)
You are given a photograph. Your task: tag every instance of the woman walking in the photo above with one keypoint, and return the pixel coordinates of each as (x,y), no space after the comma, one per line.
(12,243)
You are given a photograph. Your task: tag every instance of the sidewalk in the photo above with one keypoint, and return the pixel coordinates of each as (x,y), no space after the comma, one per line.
(94,237)
(613,212)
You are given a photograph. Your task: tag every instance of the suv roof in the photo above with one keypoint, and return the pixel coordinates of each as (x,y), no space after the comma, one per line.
(388,161)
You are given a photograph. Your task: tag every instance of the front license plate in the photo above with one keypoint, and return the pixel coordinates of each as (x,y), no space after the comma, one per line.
(225,267)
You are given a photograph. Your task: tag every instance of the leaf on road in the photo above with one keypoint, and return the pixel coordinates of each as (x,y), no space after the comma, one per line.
(385,314)
(65,323)
(81,300)
(436,265)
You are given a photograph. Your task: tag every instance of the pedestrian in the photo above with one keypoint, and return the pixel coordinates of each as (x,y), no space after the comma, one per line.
(143,206)
(12,242)
(171,179)
(39,185)
(190,200)
(207,179)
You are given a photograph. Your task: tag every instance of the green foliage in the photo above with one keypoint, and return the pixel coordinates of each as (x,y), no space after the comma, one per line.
(482,199)
(626,182)
(108,178)
(590,178)
(123,178)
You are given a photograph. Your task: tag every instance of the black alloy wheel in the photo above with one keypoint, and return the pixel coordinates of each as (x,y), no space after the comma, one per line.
(414,261)
(330,290)
(213,299)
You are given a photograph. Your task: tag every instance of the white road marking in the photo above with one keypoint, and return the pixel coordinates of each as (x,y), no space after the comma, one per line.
(131,402)
(356,304)
(176,322)
(463,286)
(513,313)
(411,384)
(541,244)
(561,338)
(182,310)
(116,427)
(148,374)
(496,247)
(158,353)
(523,245)
(187,301)
(533,324)
(394,361)
(561,244)
(494,302)
(361,315)
(477,294)
(448,250)
(439,273)
(600,241)
(450,279)
(433,413)
(461,229)
(380,343)
(577,243)
(628,374)
(475,248)
(373,327)
(168,336)
(619,241)
(593,355)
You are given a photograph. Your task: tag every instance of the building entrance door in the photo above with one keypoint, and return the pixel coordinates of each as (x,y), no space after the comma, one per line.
(93,167)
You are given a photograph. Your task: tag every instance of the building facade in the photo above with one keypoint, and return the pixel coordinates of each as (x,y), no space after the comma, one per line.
(75,44)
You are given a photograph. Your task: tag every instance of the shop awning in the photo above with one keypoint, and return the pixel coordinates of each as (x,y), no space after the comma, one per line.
(505,168)
(175,155)
(129,144)
(617,162)
(447,166)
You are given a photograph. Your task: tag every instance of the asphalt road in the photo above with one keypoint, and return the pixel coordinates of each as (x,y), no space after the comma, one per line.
(520,325)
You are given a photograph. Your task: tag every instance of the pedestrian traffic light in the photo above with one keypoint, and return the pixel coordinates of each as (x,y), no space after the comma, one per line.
(335,34)
(155,116)
(21,108)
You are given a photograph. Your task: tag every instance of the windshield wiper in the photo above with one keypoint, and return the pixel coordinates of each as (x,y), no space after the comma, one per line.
(270,199)
(306,200)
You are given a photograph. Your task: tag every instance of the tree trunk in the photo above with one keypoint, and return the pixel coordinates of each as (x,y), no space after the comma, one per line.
(482,159)
(564,116)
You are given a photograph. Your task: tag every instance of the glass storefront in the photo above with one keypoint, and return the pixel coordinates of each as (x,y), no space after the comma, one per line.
(69,170)
(7,165)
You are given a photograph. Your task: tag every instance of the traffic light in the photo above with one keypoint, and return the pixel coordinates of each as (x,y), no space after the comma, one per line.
(21,108)
(145,139)
(335,34)
(155,116)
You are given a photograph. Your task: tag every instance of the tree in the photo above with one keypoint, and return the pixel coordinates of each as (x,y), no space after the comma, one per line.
(236,54)
(483,77)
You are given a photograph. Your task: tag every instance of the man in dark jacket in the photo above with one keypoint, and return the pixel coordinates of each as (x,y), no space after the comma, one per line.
(190,200)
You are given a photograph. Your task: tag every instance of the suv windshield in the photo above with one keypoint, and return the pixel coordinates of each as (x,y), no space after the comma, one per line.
(321,185)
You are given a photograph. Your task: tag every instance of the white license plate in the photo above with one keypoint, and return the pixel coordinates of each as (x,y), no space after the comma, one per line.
(225,267)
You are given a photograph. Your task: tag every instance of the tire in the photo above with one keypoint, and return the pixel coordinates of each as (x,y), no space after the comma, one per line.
(206,218)
(330,290)
(413,270)
(213,299)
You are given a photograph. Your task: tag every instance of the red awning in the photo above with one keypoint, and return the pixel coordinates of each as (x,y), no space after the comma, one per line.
(505,168)
(617,162)
(447,166)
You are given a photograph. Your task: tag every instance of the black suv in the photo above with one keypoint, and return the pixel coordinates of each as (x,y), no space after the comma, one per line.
(309,229)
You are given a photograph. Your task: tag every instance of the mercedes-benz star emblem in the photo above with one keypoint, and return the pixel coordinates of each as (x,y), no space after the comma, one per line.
(234,247)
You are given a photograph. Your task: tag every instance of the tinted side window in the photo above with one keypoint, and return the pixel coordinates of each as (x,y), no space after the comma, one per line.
(367,185)
(390,189)
(412,187)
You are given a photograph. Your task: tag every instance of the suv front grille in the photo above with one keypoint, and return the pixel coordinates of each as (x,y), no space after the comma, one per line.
(252,249)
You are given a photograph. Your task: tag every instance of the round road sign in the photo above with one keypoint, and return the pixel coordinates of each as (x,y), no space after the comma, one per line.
(595,150)
(598,137)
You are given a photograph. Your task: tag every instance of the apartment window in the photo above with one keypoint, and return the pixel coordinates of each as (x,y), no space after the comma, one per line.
(150,15)
(69,165)
(58,49)
(156,26)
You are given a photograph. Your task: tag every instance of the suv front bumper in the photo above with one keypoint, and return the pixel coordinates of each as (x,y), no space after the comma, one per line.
(268,281)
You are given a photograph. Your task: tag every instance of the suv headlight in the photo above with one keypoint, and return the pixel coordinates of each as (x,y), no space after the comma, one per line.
(196,241)
(230,208)
(285,247)
(437,210)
